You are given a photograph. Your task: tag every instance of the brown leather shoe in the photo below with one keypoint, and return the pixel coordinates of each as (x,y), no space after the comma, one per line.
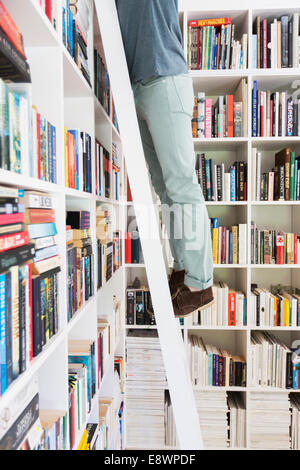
(176,282)
(186,302)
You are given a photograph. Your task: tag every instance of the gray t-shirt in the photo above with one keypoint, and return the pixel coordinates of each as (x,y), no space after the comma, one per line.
(152,38)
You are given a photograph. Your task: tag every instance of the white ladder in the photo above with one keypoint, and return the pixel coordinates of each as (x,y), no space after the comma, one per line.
(173,351)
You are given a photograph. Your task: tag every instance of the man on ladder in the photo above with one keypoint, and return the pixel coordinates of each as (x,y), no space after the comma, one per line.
(164,99)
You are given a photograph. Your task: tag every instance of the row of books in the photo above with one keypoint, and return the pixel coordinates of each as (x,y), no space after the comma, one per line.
(78,160)
(13,62)
(43,159)
(274,113)
(29,266)
(116,173)
(90,438)
(75,26)
(103,171)
(133,249)
(139,307)
(51,11)
(82,377)
(211,366)
(275,43)
(274,247)
(216,184)
(229,308)
(212,45)
(104,341)
(102,83)
(80,263)
(224,117)
(108,245)
(273,363)
(280,307)
(282,183)
(229,244)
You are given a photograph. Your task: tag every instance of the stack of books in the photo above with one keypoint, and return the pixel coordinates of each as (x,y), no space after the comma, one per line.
(272,362)
(212,409)
(104,341)
(75,28)
(216,184)
(145,390)
(274,113)
(237,420)
(225,116)
(229,309)
(139,307)
(212,45)
(13,62)
(82,384)
(274,246)
(229,244)
(275,44)
(102,171)
(269,421)
(102,84)
(80,261)
(107,245)
(78,160)
(282,183)
(295,408)
(274,308)
(50,7)
(211,366)
(42,231)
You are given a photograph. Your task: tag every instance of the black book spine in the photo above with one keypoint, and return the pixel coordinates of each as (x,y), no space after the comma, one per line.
(261,44)
(55,303)
(19,70)
(204,182)
(295,120)
(237,180)
(130,307)
(9,372)
(268,42)
(219,183)
(241,180)
(289,370)
(281,182)
(22,321)
(290,43)
(139,307)
(36,316)
(16,257)
(51,306)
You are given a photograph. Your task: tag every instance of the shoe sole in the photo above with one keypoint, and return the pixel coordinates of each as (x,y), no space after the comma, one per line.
(197,310)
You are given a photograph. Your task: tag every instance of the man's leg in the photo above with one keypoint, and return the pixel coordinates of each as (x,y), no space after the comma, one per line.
(168,106)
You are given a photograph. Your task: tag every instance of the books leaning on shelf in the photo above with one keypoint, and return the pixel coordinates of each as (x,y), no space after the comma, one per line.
(82,384)
(102,83)
(138,303)
(104,340)
(216,184)
(229,244)
(270,420)
(13,62)
(78,160)
(274,246)
(50,7)
(103,171)
(276,308)
(75,28)
(225,116)
(282,183)
(211,366)
(212,45)
(229,309)
(275,44)
(80,266)
(275,113)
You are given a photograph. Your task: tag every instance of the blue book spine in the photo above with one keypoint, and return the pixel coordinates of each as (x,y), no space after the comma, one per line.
(254,109)
(245,311)
(64,23)
(42,230)
(210,369)
(295,377)
(76,138)
(232,184)
(3,333)
(230,248)
(9,371)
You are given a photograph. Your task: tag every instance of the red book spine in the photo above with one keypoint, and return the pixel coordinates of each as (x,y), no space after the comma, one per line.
(41,216)
(30,326)
(295,249)
(38,127)
(271,118)
(129,195)
(14,240)
(11,30)
(223,258)
(128,256)
(6,219)
(230,116)
(280,249)
(265,45)
(48,9)
(261,121)
(231,308)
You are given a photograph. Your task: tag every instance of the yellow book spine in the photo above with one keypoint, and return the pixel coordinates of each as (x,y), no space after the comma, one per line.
(215,245)
(83,440)
(66,158)
(286,315)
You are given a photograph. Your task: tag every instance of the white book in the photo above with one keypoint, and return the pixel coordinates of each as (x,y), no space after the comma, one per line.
(277,114)
(220,306)
(245,50)
(254,51)
(227,186)
(242,243)
(253,174)
(295,40)
(201,115)
(258,175)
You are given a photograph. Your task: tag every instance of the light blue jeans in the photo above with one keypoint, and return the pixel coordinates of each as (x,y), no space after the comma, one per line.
(165,108)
